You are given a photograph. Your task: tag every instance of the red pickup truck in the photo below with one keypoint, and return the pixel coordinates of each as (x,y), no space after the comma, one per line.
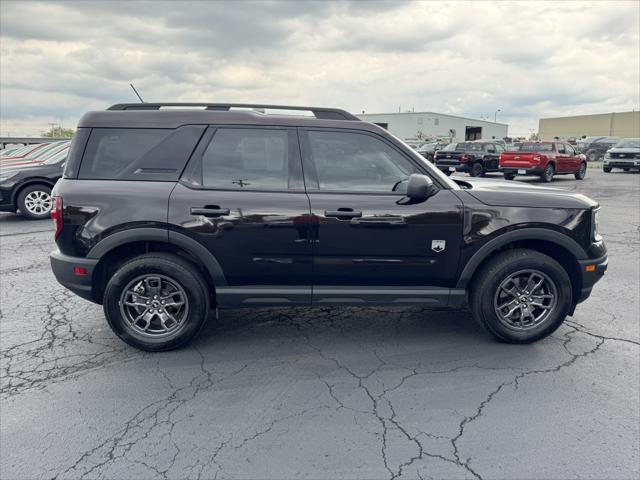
(544,159)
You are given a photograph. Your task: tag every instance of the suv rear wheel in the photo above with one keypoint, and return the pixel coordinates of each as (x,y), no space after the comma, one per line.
(156,302)
(35,202)
(520,296)
(476,169)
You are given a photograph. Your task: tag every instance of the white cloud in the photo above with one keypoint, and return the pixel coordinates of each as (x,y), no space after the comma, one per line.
(531,60)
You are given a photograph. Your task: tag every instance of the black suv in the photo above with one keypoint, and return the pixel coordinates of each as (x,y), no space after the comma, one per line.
(475,158)
(164,215)
(596,147)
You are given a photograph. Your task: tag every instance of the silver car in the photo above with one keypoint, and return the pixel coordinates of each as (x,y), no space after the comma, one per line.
(625,154)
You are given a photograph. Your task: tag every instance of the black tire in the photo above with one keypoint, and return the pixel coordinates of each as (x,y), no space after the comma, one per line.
(592,155)
(490,276)
(447,172)
(39,202)
(509,176)
(476,170)
(606,169)
(582,172)
(548,173)
(167,266)
(626,169)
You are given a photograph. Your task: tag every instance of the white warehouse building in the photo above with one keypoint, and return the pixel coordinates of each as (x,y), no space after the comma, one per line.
(415,127)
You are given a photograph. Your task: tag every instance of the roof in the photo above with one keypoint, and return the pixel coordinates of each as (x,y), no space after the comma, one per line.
(145,115)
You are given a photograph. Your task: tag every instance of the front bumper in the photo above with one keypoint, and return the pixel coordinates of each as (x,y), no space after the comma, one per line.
(63,268)
(592,271)
(621,163)
(6,204)
(517,170)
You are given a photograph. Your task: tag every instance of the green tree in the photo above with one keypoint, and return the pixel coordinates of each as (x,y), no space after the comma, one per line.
(58,132)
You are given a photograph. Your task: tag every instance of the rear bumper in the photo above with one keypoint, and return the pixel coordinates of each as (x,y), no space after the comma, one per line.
(63,269)
(448,166)
(589,278)
(516,170)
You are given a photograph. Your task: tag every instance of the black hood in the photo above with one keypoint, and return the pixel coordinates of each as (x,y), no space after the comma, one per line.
(517,194)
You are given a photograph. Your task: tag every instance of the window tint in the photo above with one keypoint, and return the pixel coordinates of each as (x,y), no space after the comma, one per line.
(111,150)
(350,162)
(247,159)
(569,149)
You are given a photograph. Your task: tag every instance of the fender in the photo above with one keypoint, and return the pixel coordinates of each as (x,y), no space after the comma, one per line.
(513,236)
(162,235)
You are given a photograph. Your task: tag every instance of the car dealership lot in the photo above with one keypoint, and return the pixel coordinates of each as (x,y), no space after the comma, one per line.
(322,393)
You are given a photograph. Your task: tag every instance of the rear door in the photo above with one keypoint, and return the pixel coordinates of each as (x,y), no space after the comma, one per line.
(368,236)
(242,197)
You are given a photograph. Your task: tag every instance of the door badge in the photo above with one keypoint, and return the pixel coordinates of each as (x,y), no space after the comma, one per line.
(438,245)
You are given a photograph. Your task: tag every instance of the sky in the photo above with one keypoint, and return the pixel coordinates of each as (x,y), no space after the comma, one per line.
(530,60)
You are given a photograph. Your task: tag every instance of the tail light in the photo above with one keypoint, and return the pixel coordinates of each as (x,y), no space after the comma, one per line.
(536,158)
(464,157)
(56,216)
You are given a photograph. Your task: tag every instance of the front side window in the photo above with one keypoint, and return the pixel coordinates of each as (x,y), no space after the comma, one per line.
(351,162)
(247,159)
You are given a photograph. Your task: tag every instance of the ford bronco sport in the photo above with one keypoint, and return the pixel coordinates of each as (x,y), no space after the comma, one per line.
(165,214)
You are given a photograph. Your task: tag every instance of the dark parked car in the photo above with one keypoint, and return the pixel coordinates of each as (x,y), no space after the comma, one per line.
(625,155)
(595,147)
(163,215)
(475,158)
(428,150)
(27,186)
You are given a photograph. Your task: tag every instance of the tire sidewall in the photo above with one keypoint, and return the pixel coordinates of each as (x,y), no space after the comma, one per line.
(549,172)
(554,271)
(476,170)
(196,297)
(23,194)
(582,172)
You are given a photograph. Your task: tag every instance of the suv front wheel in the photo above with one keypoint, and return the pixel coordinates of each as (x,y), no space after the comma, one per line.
(520,296)
(156,302)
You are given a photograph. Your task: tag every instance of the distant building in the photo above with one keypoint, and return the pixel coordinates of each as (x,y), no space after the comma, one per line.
(617,124)
(414,127)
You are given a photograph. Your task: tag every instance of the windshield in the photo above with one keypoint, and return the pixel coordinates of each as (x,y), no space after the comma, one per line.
(536,147)
(628,143)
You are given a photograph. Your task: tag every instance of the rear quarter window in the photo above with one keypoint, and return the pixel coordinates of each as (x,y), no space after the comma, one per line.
(151,154)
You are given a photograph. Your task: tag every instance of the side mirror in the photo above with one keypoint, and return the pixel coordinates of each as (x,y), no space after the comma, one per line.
(420,187)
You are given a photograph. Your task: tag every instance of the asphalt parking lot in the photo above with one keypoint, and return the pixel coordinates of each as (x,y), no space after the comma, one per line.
(329,393)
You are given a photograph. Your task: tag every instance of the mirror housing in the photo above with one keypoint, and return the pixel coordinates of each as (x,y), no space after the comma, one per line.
(420,187)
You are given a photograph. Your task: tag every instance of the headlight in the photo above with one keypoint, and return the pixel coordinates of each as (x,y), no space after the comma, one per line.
(6,177)
(595,235)
(607,155)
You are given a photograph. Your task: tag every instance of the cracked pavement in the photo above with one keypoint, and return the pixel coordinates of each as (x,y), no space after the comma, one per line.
(375,393)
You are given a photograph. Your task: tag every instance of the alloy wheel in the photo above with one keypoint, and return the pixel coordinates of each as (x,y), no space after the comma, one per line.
(154,305)
(525,299)
(38,202)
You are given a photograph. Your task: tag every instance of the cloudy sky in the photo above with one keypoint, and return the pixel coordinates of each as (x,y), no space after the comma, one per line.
(530,60)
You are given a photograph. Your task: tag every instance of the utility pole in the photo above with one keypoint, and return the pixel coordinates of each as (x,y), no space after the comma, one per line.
(495,116)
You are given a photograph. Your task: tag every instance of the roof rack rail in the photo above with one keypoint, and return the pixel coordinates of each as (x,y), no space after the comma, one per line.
(318,112)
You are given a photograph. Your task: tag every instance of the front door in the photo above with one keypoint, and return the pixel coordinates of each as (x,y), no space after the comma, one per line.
(369,239)
(242,197)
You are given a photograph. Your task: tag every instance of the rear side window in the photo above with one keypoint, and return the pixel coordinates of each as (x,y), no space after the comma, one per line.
(247,159)
(111,150)
(138,153)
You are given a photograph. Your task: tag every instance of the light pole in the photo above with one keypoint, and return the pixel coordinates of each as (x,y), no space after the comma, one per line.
(495,116)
